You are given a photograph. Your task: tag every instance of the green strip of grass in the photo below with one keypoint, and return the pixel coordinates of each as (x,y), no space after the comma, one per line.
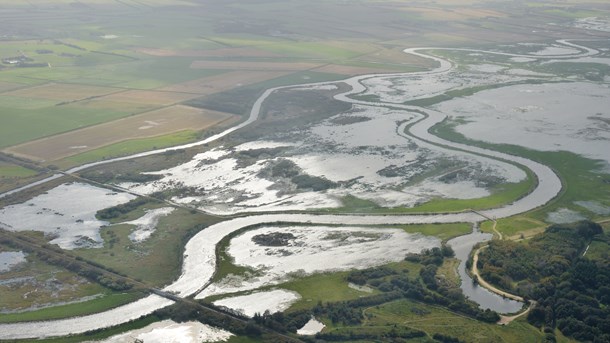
(432,319)
(130,147)
(100,334)
(327,287)
(16,171)
(72,310)
(442,231)
(503,194)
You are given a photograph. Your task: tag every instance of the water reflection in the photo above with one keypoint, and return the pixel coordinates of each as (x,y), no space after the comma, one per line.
(487,300)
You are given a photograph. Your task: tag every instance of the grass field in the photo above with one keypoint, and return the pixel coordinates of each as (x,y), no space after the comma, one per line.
(158,260)
(62,92)
(321,287)
(154,123)
(107,301)
(442,231)
(433,320)
(13,171)
(130,147)
(42,284)
(19,125)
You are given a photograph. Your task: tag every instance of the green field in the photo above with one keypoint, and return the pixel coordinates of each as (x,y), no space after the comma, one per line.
(130,147)
(433,320)
(22,125)
(11,171)
(106,302)
(158,260)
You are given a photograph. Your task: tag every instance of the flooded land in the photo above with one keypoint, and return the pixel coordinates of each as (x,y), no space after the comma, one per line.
(331,198)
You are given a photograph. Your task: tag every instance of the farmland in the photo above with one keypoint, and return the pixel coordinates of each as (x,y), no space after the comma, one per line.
(154,123)
(341,193)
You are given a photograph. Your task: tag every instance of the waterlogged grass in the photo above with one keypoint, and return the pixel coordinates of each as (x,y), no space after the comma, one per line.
(502,194)
(106,302)
(101,334)
(130,147)
(225,262)
(432,319)
(581,177)
(157,260)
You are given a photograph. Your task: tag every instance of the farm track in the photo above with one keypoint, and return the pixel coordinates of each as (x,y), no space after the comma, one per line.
(199,261)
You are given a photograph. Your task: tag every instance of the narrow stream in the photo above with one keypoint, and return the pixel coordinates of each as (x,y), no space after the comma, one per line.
(486,299)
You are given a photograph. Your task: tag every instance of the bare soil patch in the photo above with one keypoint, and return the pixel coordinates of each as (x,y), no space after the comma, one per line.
(154,123)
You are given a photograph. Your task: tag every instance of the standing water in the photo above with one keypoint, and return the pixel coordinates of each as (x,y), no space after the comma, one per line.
(486,299)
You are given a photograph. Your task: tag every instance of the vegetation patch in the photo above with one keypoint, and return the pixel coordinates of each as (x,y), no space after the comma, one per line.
(582,178)
(158,260)
(571,291)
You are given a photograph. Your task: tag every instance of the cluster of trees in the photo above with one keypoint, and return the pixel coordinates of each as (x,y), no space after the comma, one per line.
(283,322)
(434,256)
(119,210)
(572,292)
(425,288)
(314,183)
(361,277)
(274,239)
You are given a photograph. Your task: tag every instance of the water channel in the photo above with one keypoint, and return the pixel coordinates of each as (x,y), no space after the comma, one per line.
(199,262)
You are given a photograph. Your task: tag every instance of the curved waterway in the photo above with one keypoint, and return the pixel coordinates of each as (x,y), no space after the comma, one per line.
(199,262)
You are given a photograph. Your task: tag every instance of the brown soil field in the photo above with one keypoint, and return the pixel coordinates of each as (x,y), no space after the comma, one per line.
(351,70)
(219,83)
(6,86)
(225,52)
(235,65)
(62,91)
(154,123)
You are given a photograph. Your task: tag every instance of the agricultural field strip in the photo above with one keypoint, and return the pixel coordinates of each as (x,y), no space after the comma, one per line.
(164,120)
(199,261)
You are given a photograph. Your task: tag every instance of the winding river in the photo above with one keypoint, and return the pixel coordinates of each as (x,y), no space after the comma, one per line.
(199,261)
